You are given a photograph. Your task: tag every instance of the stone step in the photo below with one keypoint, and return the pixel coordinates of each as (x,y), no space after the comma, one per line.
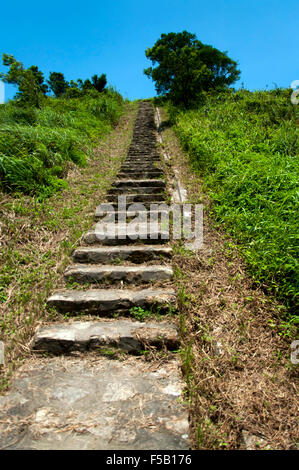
(145,158)
(131,198)
(142,161)
(127,183)
(118,234)
(135,190)
(136,167)
(132,165)
(72,403)
(136,161)
(127,216)
(82,273)
(135,254)
(103,301)
(135,206)
(139,168)
(125,335)
(140,174)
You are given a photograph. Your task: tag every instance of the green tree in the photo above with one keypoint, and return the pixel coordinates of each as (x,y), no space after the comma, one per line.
(30,82)
(73,90)
(57,84)
(99,82)
(87,85)
(185,67)
(39,77)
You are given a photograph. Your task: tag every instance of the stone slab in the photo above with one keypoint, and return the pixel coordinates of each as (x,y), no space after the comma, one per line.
(136,254)
(118,233)
(136,190)
(135,206)
(131,198)
(102,301)
(140,182)
(140,173)
(126,335)
(130,274)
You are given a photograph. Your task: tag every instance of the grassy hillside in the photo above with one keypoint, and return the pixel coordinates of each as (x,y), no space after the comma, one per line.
(245,145)
(37,146)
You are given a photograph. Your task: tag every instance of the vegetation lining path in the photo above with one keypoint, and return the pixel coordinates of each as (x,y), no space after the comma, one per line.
(242,386)
(108,398)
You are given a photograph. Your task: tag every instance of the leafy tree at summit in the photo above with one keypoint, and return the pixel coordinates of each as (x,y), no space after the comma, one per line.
(57,84)
(184,67)
(30,82)
(99,82)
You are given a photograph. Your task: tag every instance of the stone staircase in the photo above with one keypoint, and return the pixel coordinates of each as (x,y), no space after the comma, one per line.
(119,400)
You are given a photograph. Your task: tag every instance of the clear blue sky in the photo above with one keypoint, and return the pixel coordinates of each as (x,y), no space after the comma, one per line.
(83,38)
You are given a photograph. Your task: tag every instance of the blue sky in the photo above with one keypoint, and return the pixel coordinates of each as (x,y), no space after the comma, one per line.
(83,38)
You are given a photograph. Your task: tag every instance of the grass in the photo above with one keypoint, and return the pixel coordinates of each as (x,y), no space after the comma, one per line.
(245,147)
(38,236)
(38,146)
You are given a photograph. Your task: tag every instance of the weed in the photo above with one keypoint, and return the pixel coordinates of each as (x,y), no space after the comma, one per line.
(139,313)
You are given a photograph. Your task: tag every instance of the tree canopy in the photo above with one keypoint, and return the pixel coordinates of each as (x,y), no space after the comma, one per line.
(99,82)
(184,67)
(32,88)
(57,83)
(30,81)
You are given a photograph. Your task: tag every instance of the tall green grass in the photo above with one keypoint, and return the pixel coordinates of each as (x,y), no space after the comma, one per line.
(37,145)
(245,145)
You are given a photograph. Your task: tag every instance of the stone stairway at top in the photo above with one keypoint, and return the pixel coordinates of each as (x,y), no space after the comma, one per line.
(117,401)
(140,181)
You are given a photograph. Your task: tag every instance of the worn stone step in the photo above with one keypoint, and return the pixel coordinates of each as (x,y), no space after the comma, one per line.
(82,273)
(135,206)
(131,198)
(133,153)
(135,254)
(136,161)
(132,165)
(139,168)
(145,158)
(74,403)
(125,335)
(139,183)
(140,174)
(148,161)
(123,234)
(102,301)
(135,190)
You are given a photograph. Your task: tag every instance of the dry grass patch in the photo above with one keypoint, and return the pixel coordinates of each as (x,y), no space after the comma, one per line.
(236,358)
